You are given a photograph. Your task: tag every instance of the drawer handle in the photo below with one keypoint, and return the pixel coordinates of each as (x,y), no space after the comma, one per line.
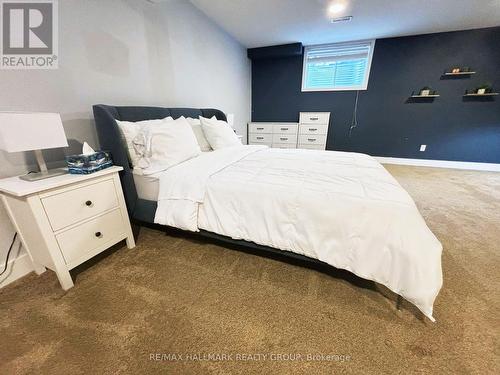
(260,137)
(284,139)
(312,129)
(313,118)
(311,139)
(284,128)
(260,128)
(98,234)
(88,203)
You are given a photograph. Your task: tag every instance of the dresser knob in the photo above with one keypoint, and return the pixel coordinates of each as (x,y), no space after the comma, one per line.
(88,203)
(98,234)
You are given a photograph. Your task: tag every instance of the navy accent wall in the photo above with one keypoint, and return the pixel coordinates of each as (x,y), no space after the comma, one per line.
(452,127)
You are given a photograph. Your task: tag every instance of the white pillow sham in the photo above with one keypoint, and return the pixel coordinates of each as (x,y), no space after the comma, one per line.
(219,134)
(198,132)
(169,144)
(129,131)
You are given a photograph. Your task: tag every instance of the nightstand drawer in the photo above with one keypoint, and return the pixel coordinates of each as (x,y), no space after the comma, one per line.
(78,204)
(79,241)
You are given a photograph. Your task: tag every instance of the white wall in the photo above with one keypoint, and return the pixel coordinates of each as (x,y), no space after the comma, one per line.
(126,52)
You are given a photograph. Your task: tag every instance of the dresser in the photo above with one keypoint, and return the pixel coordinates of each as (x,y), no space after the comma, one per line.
(313,130)
(273,134)
(64,221)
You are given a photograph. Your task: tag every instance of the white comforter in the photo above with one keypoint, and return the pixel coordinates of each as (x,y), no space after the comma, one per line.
(342,208)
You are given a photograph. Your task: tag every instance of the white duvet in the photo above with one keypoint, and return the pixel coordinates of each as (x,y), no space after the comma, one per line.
(342,208)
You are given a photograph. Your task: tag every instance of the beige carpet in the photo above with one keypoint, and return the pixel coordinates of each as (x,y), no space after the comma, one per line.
(182,297)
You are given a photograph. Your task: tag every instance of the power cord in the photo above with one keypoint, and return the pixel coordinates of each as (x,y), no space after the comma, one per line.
(8,254)
(354,121)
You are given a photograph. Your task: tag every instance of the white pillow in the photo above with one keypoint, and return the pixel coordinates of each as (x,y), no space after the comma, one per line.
(170,143)
(219,134)
(200,136)
(129,131)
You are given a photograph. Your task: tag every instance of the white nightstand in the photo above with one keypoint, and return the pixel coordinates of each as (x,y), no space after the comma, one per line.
(64,221)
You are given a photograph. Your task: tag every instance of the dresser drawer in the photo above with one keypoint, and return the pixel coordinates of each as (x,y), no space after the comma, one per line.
(285,128)
(313,147)
(285,138)
(260,128)
(284,145)
(312,139)
(260,138)
(311,129)
(315,117)
(75,205)
(79,241)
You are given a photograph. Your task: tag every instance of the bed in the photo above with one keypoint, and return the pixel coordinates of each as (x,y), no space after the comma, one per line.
(342,209)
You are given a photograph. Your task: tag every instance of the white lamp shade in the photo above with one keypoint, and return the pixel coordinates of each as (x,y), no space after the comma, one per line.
(31,131)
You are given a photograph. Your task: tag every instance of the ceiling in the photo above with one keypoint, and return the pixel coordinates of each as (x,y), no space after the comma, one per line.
(257,23)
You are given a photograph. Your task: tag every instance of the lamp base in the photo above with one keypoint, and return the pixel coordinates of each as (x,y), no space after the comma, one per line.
(44,174)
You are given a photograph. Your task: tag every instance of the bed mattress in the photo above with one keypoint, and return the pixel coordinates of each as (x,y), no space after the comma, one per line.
(147,186)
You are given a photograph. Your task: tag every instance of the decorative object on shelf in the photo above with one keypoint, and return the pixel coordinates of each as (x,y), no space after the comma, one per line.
(457,71)
(89,161)
(425,92)
(484,89)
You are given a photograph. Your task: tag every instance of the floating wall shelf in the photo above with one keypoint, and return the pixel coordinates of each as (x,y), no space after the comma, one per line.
(459,73)
(486,94)
(425,96)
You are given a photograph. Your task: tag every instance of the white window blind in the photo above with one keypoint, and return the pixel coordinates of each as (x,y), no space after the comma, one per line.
(339,66)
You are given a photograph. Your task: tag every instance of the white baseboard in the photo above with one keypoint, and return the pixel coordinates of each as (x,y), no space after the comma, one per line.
(440,163)
(16,268)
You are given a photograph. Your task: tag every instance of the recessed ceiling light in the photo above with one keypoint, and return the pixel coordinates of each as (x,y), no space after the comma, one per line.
(337,7)
(341,19)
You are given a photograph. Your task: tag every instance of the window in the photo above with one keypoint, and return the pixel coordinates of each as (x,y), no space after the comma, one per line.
(339,66)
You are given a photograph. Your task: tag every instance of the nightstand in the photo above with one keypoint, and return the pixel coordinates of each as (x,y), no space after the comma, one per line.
(65,220)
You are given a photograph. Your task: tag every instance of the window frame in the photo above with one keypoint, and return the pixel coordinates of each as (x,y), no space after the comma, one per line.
(361,87)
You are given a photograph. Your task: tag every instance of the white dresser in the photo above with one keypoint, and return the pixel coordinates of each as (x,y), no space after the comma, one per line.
(313,130)
(65,220)
(273,134)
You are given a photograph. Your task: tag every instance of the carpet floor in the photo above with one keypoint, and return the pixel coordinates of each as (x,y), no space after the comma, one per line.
(182,305)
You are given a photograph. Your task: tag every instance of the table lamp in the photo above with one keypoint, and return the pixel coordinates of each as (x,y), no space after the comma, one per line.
(33,132)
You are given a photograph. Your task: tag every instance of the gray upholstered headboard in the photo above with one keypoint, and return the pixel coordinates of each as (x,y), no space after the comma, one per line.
(110,140)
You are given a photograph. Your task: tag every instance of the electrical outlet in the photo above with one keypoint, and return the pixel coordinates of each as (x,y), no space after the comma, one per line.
(423,147)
